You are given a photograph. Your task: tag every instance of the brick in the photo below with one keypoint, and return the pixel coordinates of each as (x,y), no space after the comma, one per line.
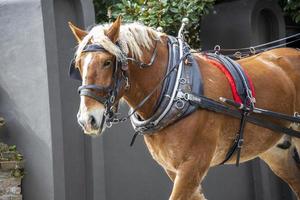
(11,197)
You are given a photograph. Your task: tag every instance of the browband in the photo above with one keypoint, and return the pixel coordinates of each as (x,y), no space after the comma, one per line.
(93,48)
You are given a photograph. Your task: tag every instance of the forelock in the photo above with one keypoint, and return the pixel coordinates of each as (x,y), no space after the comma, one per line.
(132,37)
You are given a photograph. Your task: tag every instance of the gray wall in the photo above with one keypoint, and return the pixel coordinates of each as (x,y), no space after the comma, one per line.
(38,100)
(242,23)
(76,149)
(24,97)
(130,172)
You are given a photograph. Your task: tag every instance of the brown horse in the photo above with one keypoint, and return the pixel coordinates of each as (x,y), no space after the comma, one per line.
(189,147)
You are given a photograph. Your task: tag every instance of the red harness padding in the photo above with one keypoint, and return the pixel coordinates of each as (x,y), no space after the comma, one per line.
(231,81)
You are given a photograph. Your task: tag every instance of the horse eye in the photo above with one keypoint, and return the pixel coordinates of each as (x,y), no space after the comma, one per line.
(107,63)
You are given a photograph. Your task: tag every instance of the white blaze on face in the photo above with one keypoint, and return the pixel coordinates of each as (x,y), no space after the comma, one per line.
(86,64)
(85,112)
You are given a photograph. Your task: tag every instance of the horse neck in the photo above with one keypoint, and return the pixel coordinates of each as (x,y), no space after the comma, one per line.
(143,81)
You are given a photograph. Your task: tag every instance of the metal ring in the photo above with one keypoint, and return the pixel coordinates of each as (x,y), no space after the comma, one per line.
(179,104)
(252,50)
(182,81)
(108,124)
(217,48)
(238,55)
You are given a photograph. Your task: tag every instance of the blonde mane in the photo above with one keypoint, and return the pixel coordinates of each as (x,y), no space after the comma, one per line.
(132,37)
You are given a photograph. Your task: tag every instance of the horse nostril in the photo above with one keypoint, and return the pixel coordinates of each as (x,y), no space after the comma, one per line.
(92,121)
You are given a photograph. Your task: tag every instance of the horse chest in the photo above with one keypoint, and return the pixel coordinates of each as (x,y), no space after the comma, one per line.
(166,156)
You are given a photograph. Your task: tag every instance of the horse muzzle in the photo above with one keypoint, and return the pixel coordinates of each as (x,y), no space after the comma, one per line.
(92,123)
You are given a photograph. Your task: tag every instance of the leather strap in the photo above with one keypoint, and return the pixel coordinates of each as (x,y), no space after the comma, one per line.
(212,105)
(89,93)
(98,88)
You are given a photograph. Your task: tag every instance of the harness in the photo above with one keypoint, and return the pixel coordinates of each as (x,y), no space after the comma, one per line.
(241,85)
(243,92)
(182,94)
(170,107)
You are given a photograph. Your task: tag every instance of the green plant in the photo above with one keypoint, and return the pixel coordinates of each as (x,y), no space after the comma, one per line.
(291,9)
(102,7)
(9,153)
(166,14)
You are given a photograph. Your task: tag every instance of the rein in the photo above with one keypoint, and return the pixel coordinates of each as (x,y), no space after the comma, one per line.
(249,51)
(144,65)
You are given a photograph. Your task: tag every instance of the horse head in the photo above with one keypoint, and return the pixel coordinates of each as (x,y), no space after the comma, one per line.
(101,63)
(100,74)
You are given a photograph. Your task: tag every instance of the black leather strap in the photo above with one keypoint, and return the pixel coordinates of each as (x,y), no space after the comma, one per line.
(93,48)
(97,88)
(89,93)
(212,105)
(240,78)
(74,71)
(142,64)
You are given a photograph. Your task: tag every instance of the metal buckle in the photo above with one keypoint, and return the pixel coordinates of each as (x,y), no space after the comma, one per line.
(182,95)
(191,97)
(127,85)
(238,55)
(141,129)
(188,97)
(295,125)
(150,125)
(240,143)
(112,99)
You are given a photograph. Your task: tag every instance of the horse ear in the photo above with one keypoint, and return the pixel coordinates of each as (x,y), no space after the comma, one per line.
(113,32)
(77,32)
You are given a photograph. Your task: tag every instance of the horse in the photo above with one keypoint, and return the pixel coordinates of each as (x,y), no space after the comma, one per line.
(187,148)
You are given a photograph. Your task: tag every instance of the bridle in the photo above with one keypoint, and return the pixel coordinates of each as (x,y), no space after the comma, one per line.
(119,80)
(111,92)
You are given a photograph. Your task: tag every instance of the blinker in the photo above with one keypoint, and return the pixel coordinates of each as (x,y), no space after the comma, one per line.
(74,71)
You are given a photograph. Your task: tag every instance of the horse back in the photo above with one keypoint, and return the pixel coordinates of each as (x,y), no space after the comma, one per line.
(286,60)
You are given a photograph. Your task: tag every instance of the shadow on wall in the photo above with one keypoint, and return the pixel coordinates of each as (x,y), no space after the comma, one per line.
(18,132)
